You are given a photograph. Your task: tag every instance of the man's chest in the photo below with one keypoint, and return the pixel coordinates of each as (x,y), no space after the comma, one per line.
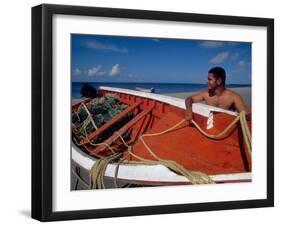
(219,101)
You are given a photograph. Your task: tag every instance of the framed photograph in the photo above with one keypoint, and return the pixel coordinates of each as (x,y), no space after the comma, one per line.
(145,112)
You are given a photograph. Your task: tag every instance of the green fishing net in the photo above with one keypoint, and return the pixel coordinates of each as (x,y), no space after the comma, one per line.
(96,113)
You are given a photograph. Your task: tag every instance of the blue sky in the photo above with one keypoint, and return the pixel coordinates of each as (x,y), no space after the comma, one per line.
(99,58)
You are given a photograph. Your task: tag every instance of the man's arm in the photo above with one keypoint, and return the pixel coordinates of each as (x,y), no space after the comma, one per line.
(240,106)
(188,104)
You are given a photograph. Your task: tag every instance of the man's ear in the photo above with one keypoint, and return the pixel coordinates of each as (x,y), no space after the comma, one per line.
(219,81)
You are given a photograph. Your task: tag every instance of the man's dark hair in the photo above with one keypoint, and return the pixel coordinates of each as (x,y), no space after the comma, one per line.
(218,72)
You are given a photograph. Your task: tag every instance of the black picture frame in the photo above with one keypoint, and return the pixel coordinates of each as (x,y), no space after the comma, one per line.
(42,106)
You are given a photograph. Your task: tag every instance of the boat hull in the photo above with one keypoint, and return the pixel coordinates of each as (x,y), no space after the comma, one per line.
(225,160)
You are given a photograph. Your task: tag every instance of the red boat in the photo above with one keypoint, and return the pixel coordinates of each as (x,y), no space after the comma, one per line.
(155,146)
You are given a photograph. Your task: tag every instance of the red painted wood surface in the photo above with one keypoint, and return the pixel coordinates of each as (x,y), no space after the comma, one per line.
(185,144)
(121,131)
(109,123)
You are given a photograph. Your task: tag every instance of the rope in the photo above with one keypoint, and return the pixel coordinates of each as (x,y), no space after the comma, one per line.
(98,144)
(117,169)
(98,171)
(80,179)
(143,161)
(245,131)
(78,115)
(194,177)
(99,167)
(89,118)
(219,135)
(158,134)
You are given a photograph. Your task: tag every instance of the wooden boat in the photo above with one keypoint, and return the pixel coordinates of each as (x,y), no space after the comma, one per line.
(151,90)
(156,147)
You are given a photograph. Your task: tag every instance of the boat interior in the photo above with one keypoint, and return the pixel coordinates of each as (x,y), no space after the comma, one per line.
(153,130)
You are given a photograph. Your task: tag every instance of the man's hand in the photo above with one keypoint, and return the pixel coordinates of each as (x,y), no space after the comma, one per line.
(188,112)
(188,116)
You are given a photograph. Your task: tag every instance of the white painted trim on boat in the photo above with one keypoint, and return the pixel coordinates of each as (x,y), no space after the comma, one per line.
(148,173)
(154,172)
(198,108)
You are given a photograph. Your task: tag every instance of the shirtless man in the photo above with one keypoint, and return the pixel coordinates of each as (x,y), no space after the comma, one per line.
(216,95)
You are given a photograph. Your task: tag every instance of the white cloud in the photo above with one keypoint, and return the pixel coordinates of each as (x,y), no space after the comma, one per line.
(105,46)
(219,58)
(77,72)
(95,71)
(241,64)
(211,44)
(234,56)
(115,70)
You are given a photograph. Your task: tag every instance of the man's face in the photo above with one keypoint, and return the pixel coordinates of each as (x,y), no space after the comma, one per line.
(212,82)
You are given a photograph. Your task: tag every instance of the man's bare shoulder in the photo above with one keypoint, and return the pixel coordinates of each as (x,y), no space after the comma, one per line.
(197,97)
(232,93)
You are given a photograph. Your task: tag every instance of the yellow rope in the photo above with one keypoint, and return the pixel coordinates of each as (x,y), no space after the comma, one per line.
(98,144)
(98,169)
(198,177)
(117,169)
(245,130)
(90,117)
(158,134)
(193,176)
(246,133)
(219,135)
(134,155)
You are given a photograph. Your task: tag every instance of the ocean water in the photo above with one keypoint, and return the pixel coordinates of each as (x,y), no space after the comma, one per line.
(161,88)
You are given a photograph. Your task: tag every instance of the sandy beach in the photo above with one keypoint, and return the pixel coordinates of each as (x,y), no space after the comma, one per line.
(245,93)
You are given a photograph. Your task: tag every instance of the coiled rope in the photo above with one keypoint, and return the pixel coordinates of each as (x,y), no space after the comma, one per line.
(99,167)
(194,177)
(98,171)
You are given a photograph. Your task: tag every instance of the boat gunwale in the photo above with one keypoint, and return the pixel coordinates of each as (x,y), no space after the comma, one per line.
(86,161)
(197,108)
(125,171)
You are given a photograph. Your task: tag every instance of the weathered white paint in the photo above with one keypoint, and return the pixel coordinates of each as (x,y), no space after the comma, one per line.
(146,172)
(198,108)
(154,172)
